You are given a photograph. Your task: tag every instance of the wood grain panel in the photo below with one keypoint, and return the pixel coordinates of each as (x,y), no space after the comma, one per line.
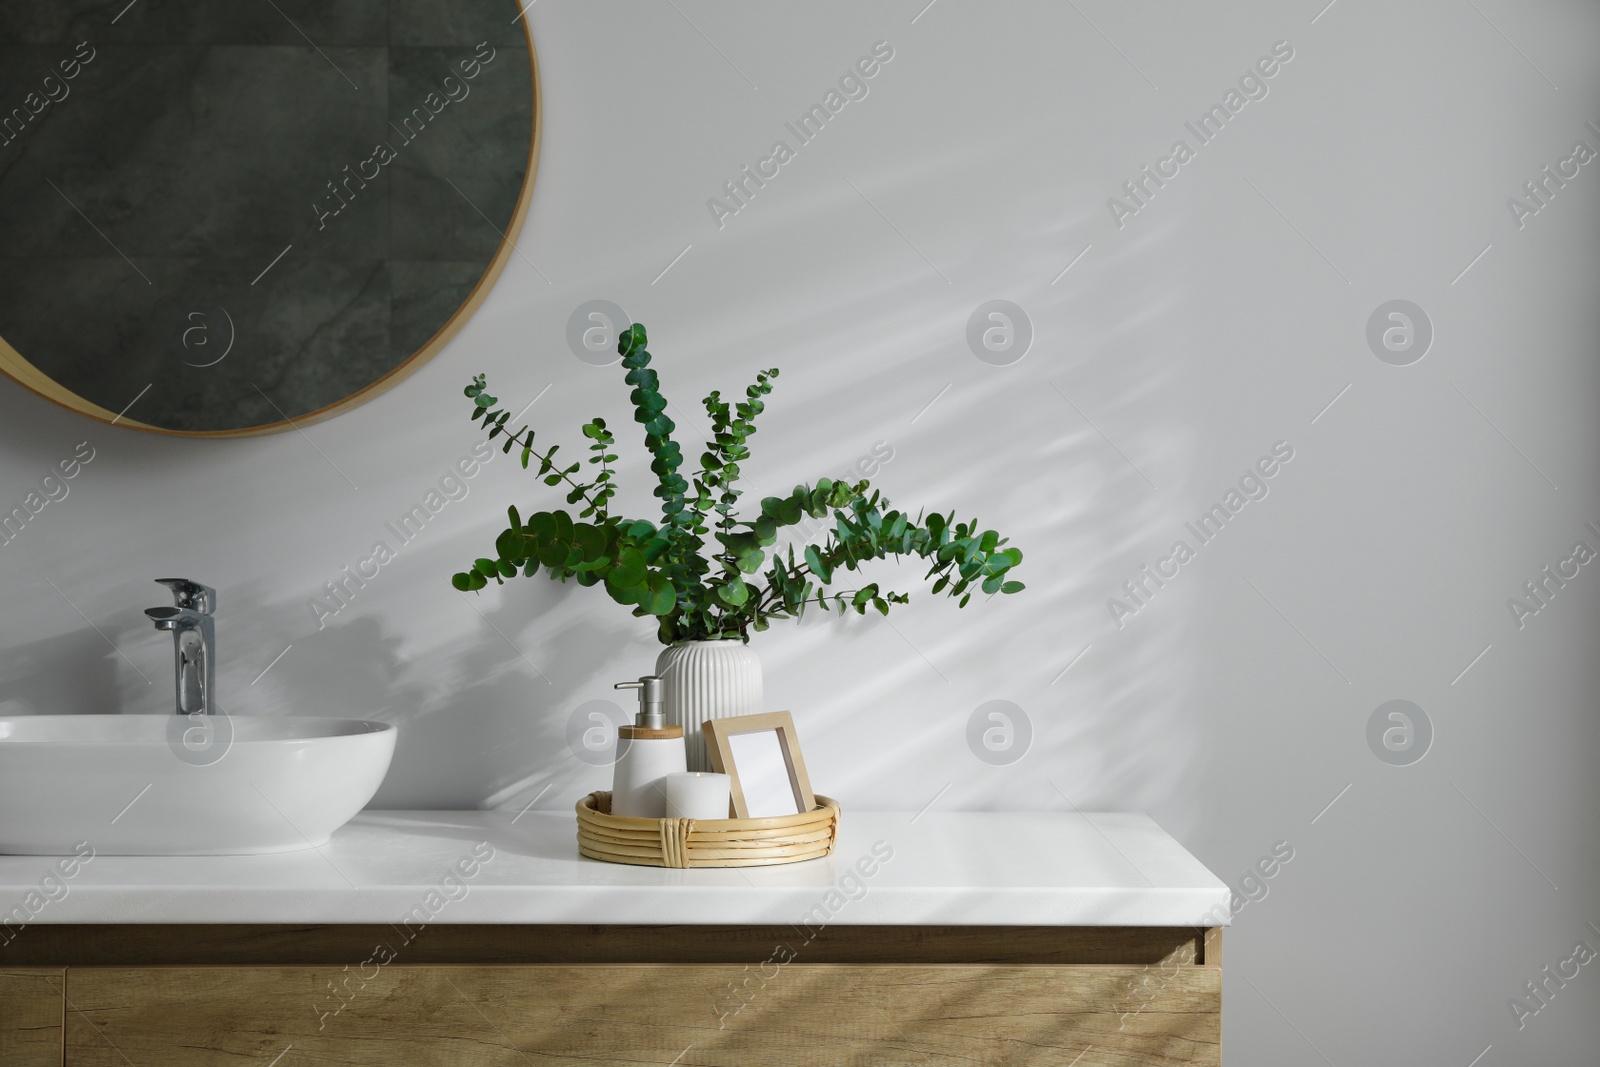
(797,1015)
(30,1017)
(153,944)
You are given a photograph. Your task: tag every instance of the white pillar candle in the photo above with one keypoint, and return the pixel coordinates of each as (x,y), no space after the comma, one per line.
(697,795)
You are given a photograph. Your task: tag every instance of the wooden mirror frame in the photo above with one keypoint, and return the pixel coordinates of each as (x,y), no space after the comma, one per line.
(14,366)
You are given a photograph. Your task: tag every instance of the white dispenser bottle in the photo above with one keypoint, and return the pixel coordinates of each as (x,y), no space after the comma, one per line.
(647,752)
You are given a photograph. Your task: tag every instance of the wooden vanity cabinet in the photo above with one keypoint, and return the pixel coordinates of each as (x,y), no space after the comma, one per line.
(582,996)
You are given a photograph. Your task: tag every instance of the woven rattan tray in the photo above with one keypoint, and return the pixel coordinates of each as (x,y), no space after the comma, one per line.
(704,842)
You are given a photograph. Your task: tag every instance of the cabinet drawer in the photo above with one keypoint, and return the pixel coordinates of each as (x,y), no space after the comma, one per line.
(772,1014)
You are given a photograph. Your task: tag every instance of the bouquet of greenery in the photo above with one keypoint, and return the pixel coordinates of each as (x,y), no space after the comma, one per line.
(666,571)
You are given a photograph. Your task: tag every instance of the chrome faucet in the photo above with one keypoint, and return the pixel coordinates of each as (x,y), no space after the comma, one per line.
(194,640)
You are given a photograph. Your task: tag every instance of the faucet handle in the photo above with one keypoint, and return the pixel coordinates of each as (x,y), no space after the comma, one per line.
(190,594)
(173,618)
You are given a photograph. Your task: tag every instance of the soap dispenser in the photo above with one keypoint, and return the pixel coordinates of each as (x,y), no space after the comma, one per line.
(647,752)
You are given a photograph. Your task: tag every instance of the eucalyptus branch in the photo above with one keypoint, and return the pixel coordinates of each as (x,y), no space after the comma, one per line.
(731,428)
(496,421)
(603,440)
(664,571)
(650,410)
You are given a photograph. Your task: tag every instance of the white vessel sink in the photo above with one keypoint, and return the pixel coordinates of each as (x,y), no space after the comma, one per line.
(159,785)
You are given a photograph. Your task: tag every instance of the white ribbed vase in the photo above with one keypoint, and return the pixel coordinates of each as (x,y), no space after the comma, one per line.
(707,680)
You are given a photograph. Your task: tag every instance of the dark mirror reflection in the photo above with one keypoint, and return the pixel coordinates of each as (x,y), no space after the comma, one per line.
(222,216)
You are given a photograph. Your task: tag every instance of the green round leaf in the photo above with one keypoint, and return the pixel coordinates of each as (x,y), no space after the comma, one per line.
(553,553)
(630,568)
(563,526)
(660,597)
(591,541)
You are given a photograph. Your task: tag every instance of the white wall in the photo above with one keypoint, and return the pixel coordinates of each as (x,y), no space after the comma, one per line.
(1220,319)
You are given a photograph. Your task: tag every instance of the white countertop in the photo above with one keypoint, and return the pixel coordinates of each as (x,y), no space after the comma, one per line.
(943,868)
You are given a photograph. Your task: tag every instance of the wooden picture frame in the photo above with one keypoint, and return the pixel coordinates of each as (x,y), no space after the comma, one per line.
(760,786)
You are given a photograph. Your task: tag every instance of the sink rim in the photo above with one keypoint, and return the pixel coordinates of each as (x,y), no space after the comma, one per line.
(246,729)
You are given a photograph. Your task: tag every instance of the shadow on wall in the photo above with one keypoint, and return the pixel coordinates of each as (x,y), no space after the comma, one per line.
(1022,447)
(1045,449)
(75,673)
(478,715)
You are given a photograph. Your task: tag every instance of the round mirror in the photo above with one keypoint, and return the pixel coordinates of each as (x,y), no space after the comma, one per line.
(233,218)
